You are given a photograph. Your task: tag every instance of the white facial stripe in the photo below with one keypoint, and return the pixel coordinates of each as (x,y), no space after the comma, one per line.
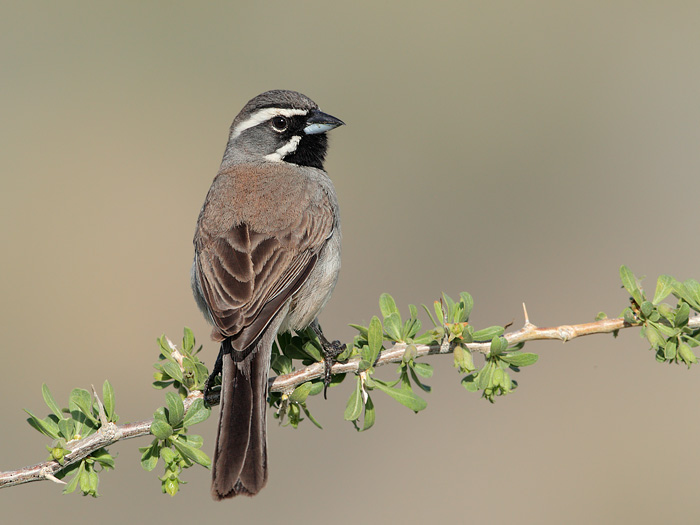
(263,115)
(289,147)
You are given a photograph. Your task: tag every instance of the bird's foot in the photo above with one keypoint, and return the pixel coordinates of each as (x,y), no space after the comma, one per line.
(331,350)
(211,380)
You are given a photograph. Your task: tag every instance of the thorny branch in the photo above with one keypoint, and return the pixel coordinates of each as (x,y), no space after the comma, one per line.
(110,433)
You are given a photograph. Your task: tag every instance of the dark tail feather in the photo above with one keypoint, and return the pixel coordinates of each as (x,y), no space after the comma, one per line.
(240,457)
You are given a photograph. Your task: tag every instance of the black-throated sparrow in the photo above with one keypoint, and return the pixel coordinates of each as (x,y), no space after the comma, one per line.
(267,256)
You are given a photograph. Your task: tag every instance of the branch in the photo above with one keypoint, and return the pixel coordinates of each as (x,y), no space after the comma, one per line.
(529,332)
(109,433)
(106,435)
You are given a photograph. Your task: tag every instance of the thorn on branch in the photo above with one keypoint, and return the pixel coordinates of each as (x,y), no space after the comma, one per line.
(46,473)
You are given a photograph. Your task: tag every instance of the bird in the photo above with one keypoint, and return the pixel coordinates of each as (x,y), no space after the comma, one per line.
(267,257)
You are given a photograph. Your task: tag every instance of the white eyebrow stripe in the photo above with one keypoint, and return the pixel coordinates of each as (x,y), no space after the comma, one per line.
(264,115)
(289,147)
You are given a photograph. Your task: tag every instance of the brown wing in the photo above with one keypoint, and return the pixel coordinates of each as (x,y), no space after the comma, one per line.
(246,276)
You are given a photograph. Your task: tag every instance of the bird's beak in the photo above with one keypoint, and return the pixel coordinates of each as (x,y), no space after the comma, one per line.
(320,122)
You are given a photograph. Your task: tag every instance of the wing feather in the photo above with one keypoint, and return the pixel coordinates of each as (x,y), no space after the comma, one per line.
(246,276)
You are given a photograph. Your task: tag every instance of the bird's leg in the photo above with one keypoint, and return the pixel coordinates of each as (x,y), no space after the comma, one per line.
(331,350)
(218,365)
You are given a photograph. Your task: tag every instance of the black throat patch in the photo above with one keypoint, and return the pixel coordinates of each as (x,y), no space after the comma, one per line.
(311,151)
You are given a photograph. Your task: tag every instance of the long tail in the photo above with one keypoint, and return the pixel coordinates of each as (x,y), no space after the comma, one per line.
(240,457)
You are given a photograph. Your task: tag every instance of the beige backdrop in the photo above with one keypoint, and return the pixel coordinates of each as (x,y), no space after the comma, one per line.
(520,151)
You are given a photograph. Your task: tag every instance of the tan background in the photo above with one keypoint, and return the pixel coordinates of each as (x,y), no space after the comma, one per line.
(518,150)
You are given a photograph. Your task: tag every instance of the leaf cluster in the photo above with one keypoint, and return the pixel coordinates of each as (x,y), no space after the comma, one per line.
(305,347)
(172,444)
(452,330)
(180,369)
(79,420)
(664,326)
(179,450)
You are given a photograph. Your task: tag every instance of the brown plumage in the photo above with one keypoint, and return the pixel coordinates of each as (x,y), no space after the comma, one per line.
(267,255)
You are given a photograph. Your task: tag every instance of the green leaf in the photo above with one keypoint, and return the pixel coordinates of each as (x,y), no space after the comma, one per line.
(656,340)
(666,311)
(449,304)
(410,329)
(161,429)
(169,455)
(191,452)
(432,319)
(682,315)
(172,370)
(308,414)
(666,331)
(392,326)
(196,413)
(159,413)
(463,359)
(498,346)
(193,440)
(468,305)
(387,305)
(423,369)
(362,329)
(364,364)
(693,292)
(103,457)
(176,409)
(520,359)
(282,364)
(470,384)
(165,349)
(630,284)
(108,400)
(50,401)
(81,400)
(73,484)
(423,387)
(686,354)
(664,286)
(485,375)
(404,396)
(369,415)
(171,486)
(353,409)
(425,339)
(374,339)
(67,428)
(487,334)
(410,353)
(439,313)
(317,386)
(312,351)
(301,392)
(45,426)
(93,481)
(670,350)
(188,341)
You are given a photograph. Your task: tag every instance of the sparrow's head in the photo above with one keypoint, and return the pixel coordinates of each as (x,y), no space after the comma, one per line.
(280,126)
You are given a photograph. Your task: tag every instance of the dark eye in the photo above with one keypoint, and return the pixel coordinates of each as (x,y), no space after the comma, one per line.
(279,124)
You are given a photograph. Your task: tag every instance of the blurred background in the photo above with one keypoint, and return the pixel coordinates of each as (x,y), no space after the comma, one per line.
(521,151)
